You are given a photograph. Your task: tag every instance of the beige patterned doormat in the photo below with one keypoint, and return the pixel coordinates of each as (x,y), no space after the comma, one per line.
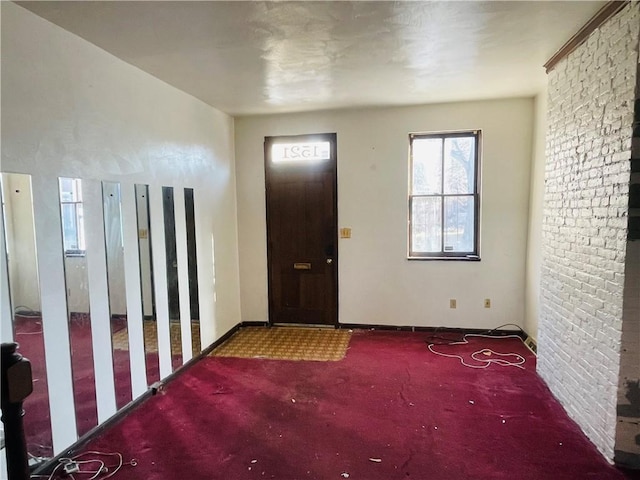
(286,343)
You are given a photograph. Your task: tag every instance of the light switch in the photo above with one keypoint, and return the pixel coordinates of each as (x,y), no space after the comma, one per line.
(345,233)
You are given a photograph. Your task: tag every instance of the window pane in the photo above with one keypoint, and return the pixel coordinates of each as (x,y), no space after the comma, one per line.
(426,224)
(300,152)
(70,190)
(459,164)
(69,226)
(427,166)
(66,190)
(458,224)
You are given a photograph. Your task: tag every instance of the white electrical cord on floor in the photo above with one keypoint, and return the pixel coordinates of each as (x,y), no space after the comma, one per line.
(488,353)
(69,466)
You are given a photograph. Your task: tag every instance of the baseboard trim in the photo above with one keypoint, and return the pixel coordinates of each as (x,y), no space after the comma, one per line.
(400,328)
(412,328)
(253,324)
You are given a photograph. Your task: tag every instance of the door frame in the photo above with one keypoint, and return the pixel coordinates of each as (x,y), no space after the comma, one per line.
(333,140)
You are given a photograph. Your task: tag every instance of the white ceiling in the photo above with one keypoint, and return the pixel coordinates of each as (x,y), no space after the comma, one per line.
(266,57)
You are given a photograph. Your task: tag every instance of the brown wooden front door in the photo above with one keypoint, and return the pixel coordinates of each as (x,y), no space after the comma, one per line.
(302,239)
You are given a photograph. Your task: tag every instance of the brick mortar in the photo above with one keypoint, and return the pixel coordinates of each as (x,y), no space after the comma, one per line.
(584,231)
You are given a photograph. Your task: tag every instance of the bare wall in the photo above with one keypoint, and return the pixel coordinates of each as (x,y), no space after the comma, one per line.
(377,284)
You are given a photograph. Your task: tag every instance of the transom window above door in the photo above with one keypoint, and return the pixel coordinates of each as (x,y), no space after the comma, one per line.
(444,195)
(300,152)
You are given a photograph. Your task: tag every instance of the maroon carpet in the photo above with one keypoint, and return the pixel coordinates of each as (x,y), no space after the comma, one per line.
(390,410)
(28,333)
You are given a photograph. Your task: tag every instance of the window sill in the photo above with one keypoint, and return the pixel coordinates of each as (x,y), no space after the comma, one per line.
(466,258)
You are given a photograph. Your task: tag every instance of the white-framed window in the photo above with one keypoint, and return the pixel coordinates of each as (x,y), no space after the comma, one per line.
(444,195)
(72,216)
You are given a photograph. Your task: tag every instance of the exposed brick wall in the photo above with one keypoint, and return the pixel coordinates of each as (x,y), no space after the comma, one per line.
(590,115)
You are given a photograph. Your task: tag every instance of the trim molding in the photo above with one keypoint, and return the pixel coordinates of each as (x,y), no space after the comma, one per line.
(408,328)
(601,16)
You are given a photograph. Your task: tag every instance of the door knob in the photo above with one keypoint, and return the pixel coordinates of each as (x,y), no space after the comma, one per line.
(329,260)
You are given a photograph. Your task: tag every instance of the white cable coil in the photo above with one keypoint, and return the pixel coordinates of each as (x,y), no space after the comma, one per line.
(518,360)
(70,466)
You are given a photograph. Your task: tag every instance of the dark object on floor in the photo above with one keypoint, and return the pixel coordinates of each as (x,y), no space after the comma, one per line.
(16,386)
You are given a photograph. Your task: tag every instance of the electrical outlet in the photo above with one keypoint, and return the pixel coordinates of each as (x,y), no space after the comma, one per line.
(452,303)
(487,303)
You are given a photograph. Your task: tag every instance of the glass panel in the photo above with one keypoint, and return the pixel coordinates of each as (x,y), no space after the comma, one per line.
(114,246)
(426,224)
(70,190)
(172,276)
(458,224)
(193,270)
(70,226)
(427,166)
(300,152)
(77,284)
(459,165)
(72,214)
(17,213)
(66,188)
(150,328)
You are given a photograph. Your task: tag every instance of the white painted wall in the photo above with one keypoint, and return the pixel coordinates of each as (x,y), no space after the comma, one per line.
(71,109)
(536,198)
(377,284)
